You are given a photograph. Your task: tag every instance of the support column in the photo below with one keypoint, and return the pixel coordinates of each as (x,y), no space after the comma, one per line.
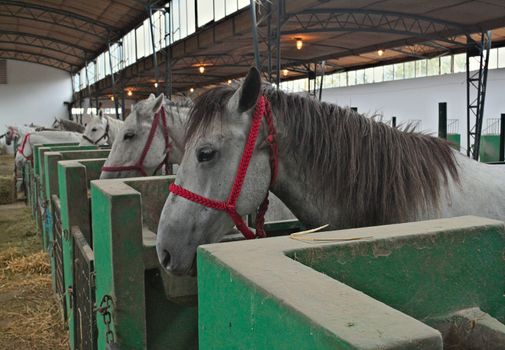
(502,138)
(442,120)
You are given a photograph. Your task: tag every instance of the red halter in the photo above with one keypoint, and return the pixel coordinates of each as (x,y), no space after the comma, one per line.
(139,165)
(229,206)
(21,149)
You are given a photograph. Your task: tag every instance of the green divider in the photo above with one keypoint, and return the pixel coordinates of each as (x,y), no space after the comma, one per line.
(489,148)
(455,140)
(73,190)
(51,159)
(125,213)
(407,286)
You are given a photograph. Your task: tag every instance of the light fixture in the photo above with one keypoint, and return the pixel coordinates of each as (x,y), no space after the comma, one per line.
(285,72)
(299,43)
(156,84)
(191,90)
(201,69)
(112,98)
(129,93)
(229,82)
(380,52)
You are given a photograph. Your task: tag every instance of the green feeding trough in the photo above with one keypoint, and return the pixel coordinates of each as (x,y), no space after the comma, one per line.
(427,285)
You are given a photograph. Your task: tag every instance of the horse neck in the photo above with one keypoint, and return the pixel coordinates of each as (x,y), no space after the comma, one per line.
(299,194)
(176,120)
(114,127)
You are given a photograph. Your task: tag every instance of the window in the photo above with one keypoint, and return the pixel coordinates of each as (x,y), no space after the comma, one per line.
(460,63)
(388,72)
(231,6)
(493,59)
(421,68)
(501,57)
(368,76)
(433,66)
(399,71)
(446,65)
(351,78)
(409,70)
(378,74)
(205,10)
(360,76)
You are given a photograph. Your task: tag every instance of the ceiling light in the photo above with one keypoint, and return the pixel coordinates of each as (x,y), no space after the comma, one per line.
(380,52)
(191,90)
(156,84)
(299,43)
(229,82)
(112,98)
(285,72)
(201,69)
(129,93)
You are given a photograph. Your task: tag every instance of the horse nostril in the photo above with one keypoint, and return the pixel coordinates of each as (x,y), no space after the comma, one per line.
(166,259)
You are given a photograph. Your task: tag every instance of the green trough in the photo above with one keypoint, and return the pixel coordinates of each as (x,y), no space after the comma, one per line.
(427,285)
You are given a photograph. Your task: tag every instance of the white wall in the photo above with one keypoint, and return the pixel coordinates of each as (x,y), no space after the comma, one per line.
(418,99)
(33,93)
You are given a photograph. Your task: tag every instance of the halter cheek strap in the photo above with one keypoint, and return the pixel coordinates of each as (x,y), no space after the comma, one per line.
(139,165)
(21,149)
(105,135)
(262,110)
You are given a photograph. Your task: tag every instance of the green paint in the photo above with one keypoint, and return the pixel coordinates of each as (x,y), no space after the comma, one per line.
(489,148)
(425,277)
(235,314)
(123,211)
(455,140)
(278,293)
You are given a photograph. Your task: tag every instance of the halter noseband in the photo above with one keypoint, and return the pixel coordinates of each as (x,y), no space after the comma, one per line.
(262,110)
(105,135)
(139,165)
(21,149)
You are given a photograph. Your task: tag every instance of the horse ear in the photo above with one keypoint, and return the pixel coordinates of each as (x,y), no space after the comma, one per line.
(250,90)
(247,94)
(151,96)
(158,103)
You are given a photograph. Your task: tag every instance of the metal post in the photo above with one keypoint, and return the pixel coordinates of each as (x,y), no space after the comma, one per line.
(113,82)
(442,120)
(254,28)
(323,63)
(476,82)
(155,58)
(393,122)
(88,87)
(269,41)
(168,59)
(278,45)
(502,138)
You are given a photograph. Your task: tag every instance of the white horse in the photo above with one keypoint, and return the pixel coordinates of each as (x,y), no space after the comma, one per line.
(25,149)
(335,167)
(151,136)
(101,131)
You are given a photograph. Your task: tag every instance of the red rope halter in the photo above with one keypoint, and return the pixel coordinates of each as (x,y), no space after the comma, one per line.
(229,206)
(21,149)
(139,165)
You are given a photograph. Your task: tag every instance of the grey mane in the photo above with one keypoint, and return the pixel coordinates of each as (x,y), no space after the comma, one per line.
(373,173)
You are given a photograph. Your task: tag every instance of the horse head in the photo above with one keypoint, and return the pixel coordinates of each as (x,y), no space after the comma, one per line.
(218,129)
(96,132)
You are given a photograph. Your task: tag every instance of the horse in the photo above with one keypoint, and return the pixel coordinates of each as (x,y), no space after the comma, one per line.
(151,136)
(25,150)
(100,131)
(329,165)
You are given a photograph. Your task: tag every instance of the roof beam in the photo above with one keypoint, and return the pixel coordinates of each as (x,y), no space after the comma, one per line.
(54,16)
(20,55)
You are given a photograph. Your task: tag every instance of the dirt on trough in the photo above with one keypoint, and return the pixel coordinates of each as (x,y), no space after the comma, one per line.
(29,315)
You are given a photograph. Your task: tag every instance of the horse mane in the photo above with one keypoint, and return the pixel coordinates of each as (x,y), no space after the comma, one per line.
(373,173)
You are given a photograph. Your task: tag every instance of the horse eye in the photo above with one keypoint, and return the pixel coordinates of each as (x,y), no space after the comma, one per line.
(128,135)
(206,154)
(93,129)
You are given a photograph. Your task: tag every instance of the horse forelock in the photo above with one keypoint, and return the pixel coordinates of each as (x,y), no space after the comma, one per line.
(207,107)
